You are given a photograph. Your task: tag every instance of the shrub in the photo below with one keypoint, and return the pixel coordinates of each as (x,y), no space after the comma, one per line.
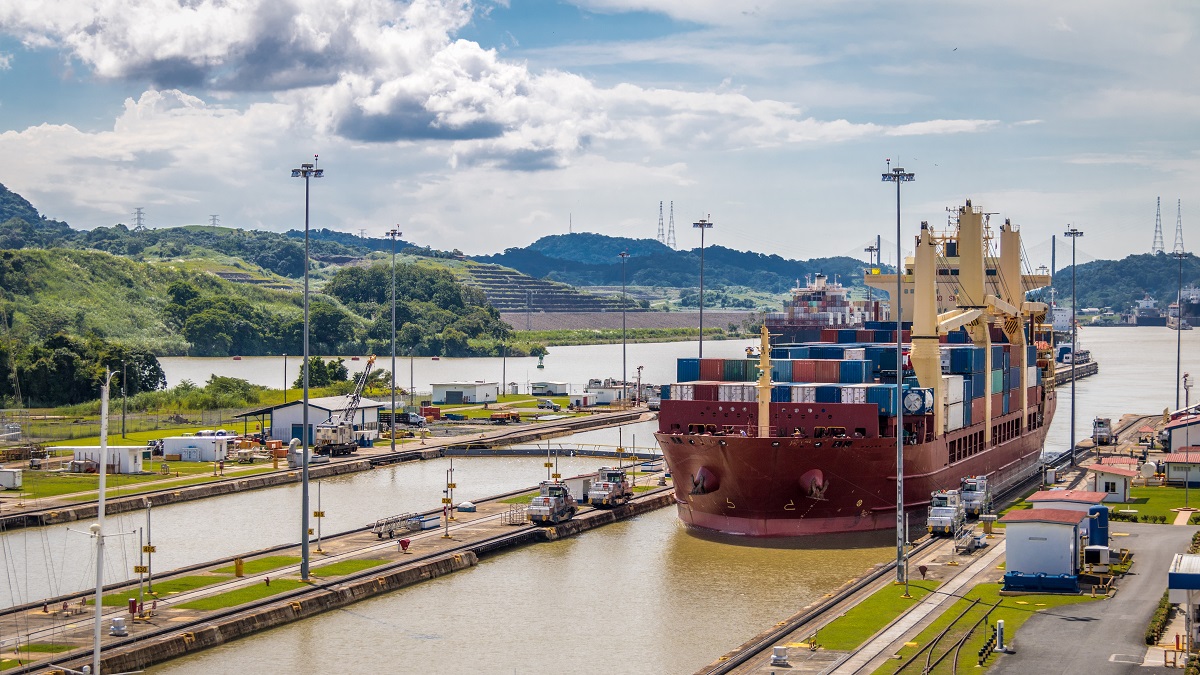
(1158,622)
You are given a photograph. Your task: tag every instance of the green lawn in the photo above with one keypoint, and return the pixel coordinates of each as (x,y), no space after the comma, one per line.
(860,622)
(1013,610)
(260,565)
(41,484)
(521,498)
(1158,501)
(338,569)
(243,595)
(162,589)
(133,437)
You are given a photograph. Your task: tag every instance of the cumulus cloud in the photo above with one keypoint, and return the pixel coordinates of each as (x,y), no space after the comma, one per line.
(5,61)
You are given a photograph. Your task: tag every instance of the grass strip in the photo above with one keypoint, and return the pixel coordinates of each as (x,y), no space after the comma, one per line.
(161,589)
(260,565)
(1015,610)
(521,498)
(338,569)
(860,622)
(242,596)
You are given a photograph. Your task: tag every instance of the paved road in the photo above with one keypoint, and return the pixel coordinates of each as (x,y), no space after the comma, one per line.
(1103,637)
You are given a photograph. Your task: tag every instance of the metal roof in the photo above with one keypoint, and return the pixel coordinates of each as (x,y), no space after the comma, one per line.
(1080,496)
(1184,572)
(326,403)
(1192,456)
(1110,461)
(1114,470)
(1053,516)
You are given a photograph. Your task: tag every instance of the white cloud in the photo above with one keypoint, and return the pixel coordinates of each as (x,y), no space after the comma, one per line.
(5,61)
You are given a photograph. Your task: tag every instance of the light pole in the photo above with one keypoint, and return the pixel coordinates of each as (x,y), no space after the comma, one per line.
(125,371)
(1187,436)
(872,251)
(285,382)
(1074,234)
(306,171)
(624,395)
(393,233)
(1179,255)
(702,225)
(898,176)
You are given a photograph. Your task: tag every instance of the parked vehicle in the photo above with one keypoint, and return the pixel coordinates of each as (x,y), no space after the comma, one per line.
(976,495)
(547,404)
(505,417)
(1102,433)
(610,488)
(553,504)
(335,436)
(946,513)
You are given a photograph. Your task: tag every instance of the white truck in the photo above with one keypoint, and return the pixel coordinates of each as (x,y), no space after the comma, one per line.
(976,496)
(553,504)
(1102,433)
(946,513)
(610,488)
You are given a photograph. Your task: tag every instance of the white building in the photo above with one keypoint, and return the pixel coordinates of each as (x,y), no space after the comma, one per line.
(548,388)
(583,399)
(1043,541)
(286,420)
(198,448)
(1183,466)
(451,393)
(1113,481)
(1071,500)
(607,394)
(1182,432)
(121,458)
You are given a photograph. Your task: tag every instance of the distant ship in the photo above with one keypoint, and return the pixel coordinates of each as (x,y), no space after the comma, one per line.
(819,304)
(1146,313)
(802,440)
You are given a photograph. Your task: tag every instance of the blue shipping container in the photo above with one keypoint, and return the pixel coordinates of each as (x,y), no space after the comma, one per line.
(826,352)
(829,394)
(968,390)
(664,392)
(979,384)
(1014,378)
(967,414)
(796,352)
(1005,409)
(687,370)
(1030,354)
(781,393)
(781,371)
(780,353)
(855,372)
(847,335)
(997,356)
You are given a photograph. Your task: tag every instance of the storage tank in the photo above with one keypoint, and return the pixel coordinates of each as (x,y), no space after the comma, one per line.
(1098,526)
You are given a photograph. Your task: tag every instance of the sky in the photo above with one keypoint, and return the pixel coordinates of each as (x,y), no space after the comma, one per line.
(486,124)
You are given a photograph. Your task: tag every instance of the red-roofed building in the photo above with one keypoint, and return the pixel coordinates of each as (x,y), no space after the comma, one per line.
(1043,540)
(1118,461)
(1113,481)
(1180,432)
(1071,500)
(1182,466)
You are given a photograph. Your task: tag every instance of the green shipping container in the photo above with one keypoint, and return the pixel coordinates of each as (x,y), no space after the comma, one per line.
(997,381)
(735,370)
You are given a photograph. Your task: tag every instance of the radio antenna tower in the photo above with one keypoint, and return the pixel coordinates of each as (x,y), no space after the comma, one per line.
(213,220)
(138,218)
(662,235)
(671,227)
(1158,240)
(1178,227)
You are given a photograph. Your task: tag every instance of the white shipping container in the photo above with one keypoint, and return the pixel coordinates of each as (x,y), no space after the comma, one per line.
(1031,376)
(10,479)
(683,392)
(737,392)
(804,393)
(855,393)
(952,389)
(945,359)
(954,416)
(855,354)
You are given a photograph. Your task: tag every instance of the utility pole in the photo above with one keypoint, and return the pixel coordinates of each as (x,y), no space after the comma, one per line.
(702,225)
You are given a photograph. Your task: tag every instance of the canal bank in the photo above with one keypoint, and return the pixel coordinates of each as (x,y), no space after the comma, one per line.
(59,511)
(180,625)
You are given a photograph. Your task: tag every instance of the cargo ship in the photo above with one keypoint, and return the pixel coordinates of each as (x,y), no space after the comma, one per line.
(802,440)
(819,304)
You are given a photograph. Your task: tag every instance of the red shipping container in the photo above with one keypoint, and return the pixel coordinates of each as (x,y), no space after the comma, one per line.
(977,410)
(829,335)
(827,370)
(906,336)
(804,370)
(706,391)
(997,405)
(865,336)
(712,370)
(431,411)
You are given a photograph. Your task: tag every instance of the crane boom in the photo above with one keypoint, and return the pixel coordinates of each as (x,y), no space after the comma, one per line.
(347,413)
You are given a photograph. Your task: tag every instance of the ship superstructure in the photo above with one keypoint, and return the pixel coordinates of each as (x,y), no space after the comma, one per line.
(802,440)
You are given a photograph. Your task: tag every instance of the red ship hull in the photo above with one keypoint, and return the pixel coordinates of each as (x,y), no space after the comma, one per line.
(787,487)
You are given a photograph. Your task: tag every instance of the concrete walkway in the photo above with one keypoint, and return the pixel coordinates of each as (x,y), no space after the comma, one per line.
(929,604)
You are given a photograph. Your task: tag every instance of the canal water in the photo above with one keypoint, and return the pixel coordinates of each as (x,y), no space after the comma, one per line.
(643,596)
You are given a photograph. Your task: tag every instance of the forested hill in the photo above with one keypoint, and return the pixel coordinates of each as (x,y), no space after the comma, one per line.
(1117,284)
(586,259)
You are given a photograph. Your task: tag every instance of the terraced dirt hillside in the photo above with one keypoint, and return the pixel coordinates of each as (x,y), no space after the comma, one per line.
(510,291)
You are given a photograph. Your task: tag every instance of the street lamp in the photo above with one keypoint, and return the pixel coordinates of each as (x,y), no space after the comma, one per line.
(898,176)
(393,233)
(306,171)
(285,382)
(124,375)
(702,225)
(624,395)
(1074,234)
(1179,255)
(872,251)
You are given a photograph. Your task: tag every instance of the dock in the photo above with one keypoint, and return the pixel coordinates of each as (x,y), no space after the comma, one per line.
(345,568)
(1064,374)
